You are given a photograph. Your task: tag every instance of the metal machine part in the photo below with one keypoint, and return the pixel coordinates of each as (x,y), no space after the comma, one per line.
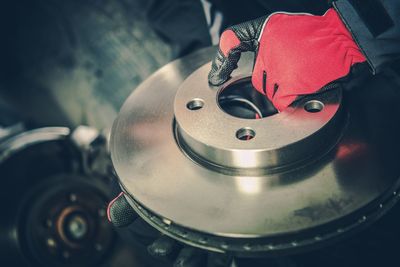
(322,169)
(54,197)
(263,144)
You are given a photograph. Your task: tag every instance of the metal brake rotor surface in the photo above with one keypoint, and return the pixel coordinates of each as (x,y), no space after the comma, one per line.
(321,169)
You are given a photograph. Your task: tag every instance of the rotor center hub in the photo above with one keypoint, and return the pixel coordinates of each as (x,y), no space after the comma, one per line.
(211,136)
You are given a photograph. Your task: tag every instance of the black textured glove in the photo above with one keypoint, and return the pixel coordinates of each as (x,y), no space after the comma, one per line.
(161,247)
(119,212)
(235,40)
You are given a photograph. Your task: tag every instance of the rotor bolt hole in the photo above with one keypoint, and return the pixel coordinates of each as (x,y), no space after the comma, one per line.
(313,106)
(245,134)
(195,104)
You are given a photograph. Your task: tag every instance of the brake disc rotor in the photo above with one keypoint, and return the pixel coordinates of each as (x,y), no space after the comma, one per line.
(315,172)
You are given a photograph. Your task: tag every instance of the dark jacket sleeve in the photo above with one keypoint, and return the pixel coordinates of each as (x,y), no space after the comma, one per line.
(375,26)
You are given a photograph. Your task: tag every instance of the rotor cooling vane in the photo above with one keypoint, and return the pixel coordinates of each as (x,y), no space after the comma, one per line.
(218,168)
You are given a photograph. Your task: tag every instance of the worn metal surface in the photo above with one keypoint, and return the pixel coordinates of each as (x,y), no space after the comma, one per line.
(350,185)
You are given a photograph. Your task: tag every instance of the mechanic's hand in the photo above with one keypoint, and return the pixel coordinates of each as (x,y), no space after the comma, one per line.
(296,54)
(161,247)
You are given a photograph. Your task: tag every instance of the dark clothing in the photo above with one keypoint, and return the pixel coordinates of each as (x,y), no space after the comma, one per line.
(181,23)
(237,11)
(375,26)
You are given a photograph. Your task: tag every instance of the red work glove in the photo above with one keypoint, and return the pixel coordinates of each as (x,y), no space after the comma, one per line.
(297,54)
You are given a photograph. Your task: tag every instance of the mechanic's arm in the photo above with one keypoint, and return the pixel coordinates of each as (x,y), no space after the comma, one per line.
(299,54)
(375,26)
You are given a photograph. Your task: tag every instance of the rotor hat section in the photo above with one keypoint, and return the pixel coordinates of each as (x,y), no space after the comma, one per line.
(203,173)
(211,136)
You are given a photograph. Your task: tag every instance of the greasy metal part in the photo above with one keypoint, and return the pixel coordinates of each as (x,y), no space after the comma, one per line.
(55,202)
(345,176)
(32,137)
(55,215)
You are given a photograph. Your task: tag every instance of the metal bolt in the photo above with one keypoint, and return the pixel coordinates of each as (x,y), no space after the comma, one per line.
(73,197)
(49,223)
(66,254)
(77,227)
(51,243)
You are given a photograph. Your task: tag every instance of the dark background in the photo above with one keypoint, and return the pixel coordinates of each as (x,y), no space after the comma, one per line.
(67,63)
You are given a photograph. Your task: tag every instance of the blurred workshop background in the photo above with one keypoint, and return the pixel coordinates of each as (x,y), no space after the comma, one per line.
(66,68)
(74,62)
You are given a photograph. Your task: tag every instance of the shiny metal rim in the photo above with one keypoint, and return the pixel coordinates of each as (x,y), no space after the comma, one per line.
(270,246)
(172,189)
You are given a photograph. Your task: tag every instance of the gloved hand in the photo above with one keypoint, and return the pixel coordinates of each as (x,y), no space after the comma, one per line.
(168,251)
(296,54)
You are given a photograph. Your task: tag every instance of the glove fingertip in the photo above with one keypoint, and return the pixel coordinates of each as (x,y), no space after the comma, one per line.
(119,212)
(215,80)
